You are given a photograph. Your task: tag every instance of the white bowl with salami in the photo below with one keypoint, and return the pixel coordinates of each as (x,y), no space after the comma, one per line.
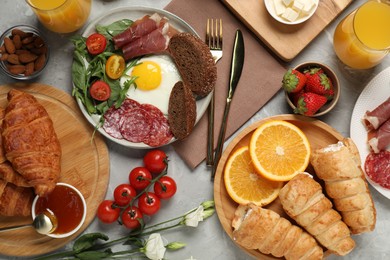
(374,95)
(142,119)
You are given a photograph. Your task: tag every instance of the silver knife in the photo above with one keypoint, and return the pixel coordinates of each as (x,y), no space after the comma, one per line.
(235,74)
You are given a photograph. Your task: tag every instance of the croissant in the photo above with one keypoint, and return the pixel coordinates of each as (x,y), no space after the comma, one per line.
(30,142)
(15,201)
(264,229)
(339,166)
(302,199)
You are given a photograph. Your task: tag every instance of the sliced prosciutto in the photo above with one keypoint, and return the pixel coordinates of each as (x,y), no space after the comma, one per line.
(139,28)
(375,118)
(379,139)
(153,42)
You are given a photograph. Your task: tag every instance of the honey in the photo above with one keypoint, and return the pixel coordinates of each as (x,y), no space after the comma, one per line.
(66,205)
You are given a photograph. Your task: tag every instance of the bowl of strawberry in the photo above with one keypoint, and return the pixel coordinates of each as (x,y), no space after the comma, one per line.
(311,89)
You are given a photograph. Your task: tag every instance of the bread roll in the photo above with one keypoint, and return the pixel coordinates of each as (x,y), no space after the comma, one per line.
(302,199)
(15,201)
(30,142)
(339,166)
(263,229)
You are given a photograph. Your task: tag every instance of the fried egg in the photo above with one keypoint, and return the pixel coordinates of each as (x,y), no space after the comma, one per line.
(156,76)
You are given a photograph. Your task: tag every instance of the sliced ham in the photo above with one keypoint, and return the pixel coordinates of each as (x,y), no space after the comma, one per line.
(153,42)
(375,118)
(139,28)
(379,140)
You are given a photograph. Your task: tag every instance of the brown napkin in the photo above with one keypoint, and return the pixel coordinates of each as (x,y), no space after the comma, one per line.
(260,78)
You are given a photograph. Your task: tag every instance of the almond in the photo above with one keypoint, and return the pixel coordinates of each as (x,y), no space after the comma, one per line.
(19,32)
(40,62)
(9,45)
(27,57)
(29,69)
(2,49)
(38,42)
(28,40)
(13,59)
(16,69)
(40,50)
(4,56)
(21,51)
(17,41)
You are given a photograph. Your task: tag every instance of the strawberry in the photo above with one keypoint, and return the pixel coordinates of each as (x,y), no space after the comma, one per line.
(309,103)
(295,96)
(318,82)
(293,81)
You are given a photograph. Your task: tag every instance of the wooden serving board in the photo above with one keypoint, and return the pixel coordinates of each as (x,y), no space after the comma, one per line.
(84,164)
(286,41)
(319,135)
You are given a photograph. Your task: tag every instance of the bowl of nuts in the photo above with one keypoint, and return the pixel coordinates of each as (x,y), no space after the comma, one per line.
(24,53)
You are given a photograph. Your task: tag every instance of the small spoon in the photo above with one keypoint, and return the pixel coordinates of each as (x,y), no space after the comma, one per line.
(44,223)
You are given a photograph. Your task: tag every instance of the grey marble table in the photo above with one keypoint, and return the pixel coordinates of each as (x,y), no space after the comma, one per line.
(208,240)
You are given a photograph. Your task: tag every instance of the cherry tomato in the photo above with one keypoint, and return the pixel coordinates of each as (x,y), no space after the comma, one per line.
(140,178)
(96,43)
(100,90)
(131,217)
(165,187)
(149,203)
(155,161)
(115,66)
(107,213)
(123,194)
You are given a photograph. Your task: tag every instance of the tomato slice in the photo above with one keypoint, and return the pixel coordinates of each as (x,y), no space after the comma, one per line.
(100,90)
(115,66)
(96,43)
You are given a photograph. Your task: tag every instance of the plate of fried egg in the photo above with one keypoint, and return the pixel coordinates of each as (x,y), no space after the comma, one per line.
(155,75)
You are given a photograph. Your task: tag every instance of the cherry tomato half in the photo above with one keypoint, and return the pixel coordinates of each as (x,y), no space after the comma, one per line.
(155,161)
(131,217)
(96,43)
(106,212)
(149,203)
(115,66)
(165,187)
(123,194)
(100,90)
(140,178)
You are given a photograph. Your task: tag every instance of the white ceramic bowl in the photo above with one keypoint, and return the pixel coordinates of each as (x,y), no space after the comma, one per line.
(62,235)
(269,5)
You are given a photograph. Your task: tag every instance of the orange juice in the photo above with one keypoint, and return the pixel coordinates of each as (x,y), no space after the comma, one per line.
(362,39)
(62,16)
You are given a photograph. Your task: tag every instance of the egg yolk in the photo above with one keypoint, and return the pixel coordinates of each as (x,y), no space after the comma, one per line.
(148,75)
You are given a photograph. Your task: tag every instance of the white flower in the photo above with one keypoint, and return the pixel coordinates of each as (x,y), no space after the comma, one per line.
(192,219)
(154,248)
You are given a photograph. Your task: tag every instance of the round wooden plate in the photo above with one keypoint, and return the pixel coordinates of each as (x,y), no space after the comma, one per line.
(319,135)
(84,164)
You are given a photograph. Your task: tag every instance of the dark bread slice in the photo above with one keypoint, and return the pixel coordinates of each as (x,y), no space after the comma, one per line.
(181,111)
(194,62)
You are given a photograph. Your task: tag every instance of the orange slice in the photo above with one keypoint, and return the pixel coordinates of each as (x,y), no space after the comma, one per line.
(244,185)
(279,150)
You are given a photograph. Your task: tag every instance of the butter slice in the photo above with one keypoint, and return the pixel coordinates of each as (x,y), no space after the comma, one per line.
(298,6)
(279,7)
(287,2)
(290,14)
(308,5)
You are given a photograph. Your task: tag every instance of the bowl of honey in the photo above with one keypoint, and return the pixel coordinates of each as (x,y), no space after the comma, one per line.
(68,206)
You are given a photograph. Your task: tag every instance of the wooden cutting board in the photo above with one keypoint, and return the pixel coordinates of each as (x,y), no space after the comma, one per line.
(286,41)
(84,164)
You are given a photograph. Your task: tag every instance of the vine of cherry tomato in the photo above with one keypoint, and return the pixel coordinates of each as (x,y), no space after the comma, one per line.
(148,185)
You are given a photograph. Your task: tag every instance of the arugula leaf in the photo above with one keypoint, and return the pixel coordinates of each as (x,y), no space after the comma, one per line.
(114,28)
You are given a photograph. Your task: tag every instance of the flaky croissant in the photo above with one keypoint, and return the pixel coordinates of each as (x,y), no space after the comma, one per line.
(303,200)
(30,142)
(264,229)
(339,166)
(15,201)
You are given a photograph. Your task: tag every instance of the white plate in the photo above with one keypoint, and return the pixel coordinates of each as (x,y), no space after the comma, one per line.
(269,5)
(375,93)
(133,13)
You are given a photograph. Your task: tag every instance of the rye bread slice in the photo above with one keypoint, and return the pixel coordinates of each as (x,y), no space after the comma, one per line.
(194,62)
(181,111)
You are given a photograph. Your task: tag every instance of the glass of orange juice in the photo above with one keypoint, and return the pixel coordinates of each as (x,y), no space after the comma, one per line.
(362,39)
(61,16)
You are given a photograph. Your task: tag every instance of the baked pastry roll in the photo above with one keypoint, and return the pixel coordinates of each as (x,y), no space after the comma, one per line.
(264,229)
(302,199)
(15,201)
(339,166)
(30,142)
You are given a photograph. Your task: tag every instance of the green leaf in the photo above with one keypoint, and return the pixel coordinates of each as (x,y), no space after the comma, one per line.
(87,241)
(114,28)
(92,255)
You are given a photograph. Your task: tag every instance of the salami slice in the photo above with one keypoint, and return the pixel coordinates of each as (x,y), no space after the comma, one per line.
(160,132)
(135,125)
(377,167)
(111,122)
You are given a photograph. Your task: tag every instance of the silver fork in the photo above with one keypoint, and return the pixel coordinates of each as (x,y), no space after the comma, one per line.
(214,41)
